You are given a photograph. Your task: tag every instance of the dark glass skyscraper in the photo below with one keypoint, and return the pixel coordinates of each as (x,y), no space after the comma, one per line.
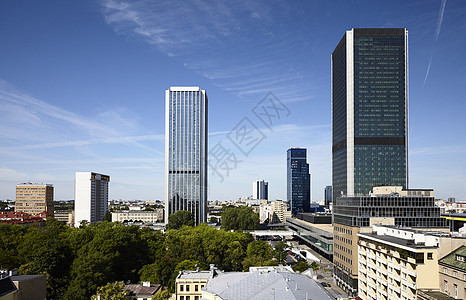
(186,152)
(370,111)
(298,180)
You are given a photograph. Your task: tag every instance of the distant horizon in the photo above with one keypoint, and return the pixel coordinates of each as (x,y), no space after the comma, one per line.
(82,87)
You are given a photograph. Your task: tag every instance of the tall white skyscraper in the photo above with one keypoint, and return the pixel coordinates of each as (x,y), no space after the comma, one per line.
(90,197)
(260,190)
(186,152)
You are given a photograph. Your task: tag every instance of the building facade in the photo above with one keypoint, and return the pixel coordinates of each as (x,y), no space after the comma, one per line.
(453,273)
(369,111)
(34,198)
(260,190)
(186,152)
(328,195)
(90,197)
(189,284)
(145,216)
(395,263)
(298,180)
(352,215)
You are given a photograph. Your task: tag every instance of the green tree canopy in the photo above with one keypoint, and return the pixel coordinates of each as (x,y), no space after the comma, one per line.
(111,291)
(180,218)
(240,218)
(301,266)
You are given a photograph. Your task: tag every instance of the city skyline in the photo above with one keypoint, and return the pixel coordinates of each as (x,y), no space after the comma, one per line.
(81,87)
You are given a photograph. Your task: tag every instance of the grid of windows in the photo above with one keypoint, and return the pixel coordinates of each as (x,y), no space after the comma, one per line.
(377,58)
(407,211)
(298,180)
(187,152)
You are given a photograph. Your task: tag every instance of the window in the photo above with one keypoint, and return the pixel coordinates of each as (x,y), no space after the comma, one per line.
(445,271)
(446,286)
(187,290)
(455,274)
(430,256)
(181,297)
(460,258)
(181,287)
(196,288)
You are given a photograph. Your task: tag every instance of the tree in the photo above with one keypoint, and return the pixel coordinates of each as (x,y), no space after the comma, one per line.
(161,296)
(111,291)
(213,220)
(240,218)
(45,251)
(107,217)
(257,254)
(180,218)
(301,266)
(279,252)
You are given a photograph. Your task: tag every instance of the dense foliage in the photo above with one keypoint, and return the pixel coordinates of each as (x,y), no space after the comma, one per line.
(79,260)
(240,218)
(180,218)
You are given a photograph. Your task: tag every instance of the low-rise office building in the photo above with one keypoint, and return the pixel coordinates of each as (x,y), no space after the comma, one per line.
(65,217)
(318,236)
(145,216)
(394,263)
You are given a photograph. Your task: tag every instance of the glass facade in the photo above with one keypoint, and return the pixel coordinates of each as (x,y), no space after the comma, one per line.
(410,211)
(186,152)
(369,111)
(298,181)
(369,137)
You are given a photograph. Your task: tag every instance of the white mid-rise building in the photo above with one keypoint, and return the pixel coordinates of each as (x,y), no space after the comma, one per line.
(395,263)
(90,197)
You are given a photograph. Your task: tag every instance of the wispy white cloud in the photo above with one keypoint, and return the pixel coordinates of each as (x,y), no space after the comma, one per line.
(117,140)
(436,36)
(428,70)
(440,19)
(192,30)
(28,119)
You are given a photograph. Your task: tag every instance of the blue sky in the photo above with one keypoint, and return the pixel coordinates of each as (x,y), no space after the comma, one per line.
(82,88)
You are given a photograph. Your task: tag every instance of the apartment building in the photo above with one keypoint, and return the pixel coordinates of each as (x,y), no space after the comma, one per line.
(395,205)
(394,263)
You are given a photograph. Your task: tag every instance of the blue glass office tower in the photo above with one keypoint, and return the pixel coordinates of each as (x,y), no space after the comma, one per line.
(369,134)
(328,195)
(186,152)
(369,111)
(298,180)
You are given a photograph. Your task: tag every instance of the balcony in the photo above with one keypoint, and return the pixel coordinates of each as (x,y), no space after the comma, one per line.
(409,271)
(394,266)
